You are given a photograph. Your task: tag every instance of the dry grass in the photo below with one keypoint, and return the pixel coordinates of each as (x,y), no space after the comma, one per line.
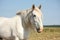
(49,33)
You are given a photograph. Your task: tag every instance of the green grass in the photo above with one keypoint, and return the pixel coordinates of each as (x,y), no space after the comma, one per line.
(49,33)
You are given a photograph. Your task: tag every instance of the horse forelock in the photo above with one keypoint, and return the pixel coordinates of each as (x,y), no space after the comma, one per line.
(38,11)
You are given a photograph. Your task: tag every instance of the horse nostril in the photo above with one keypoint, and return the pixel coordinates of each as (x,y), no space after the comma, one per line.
(38,29)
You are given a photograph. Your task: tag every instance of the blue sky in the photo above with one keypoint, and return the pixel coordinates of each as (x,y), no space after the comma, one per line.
(50,9)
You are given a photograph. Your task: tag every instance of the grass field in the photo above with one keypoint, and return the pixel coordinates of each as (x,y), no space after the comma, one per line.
(49,33)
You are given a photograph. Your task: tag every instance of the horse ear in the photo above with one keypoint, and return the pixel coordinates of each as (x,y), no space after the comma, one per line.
(39,6)
(33,7)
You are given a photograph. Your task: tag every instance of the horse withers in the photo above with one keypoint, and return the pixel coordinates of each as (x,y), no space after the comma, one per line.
(19,26)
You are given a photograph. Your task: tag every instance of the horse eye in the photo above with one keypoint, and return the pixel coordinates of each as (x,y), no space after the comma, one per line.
(34,15)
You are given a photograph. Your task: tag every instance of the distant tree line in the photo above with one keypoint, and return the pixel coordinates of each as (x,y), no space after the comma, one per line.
(51,25)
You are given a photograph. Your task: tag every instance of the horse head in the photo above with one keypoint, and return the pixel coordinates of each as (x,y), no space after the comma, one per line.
(36,18)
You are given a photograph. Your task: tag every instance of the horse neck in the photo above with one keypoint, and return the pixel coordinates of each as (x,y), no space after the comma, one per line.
(19,19)
(21,23)
(26,23)
(25,20)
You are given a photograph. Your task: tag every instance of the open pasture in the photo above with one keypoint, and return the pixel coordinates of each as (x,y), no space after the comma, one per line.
(49,33)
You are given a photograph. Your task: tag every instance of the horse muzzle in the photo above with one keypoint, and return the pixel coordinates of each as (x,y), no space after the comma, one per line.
(39,30)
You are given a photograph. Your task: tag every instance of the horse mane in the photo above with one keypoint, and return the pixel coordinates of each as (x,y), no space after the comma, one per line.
(23,12)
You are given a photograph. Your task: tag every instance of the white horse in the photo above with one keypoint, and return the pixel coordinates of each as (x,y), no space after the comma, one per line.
(18,27)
